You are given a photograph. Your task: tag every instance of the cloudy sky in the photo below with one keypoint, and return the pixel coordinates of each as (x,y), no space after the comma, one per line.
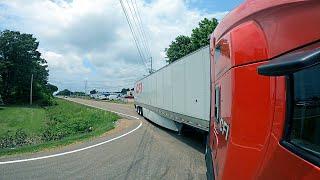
(90,40)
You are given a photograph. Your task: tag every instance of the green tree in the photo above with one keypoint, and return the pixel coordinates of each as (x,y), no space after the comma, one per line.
(19,59)
(178,48)
(77,93)
(64,92)
(93,91)
(184,45)
(200,35)
(125,90)
(52,88)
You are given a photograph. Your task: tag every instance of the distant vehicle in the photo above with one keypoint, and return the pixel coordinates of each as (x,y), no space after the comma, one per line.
(101,97)
(98,96)
(114,97)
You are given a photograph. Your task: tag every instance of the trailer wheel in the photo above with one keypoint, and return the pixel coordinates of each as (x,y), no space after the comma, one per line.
(141,111)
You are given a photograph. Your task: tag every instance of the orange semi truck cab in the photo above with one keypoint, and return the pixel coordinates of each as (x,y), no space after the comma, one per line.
(265,92)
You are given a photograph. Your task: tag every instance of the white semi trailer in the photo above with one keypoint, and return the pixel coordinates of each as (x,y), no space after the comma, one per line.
(178,93)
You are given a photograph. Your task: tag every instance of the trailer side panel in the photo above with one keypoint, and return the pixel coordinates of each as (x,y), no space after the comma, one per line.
(179,92)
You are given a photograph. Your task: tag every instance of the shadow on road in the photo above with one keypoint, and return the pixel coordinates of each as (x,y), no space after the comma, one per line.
(191,136)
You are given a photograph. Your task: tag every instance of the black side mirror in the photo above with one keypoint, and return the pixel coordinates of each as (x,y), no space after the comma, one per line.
(291,62)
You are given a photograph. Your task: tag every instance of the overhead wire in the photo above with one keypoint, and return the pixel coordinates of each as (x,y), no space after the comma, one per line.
(133,17)
(133,33)
(139,27)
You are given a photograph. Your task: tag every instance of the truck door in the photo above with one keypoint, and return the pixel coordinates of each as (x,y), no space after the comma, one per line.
(295,153)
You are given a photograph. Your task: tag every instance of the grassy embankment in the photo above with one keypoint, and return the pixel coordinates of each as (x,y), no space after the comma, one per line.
(30,129)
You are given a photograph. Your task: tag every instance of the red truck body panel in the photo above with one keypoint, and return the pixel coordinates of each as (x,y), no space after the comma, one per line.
(253,107)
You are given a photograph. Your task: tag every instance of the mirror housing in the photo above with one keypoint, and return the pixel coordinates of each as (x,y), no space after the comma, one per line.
(291,62)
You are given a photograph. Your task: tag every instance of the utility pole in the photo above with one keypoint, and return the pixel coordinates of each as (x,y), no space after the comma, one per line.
(85,87)
(151,70)
(31,89)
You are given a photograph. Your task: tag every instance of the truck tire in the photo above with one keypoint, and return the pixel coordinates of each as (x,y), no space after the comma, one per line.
(209,163)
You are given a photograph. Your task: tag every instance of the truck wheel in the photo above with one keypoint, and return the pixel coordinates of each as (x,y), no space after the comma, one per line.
(209,163)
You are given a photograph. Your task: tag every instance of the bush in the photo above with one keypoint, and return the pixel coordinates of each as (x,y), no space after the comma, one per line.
(20,137)
(17,139)
(6,141)
(45,99)
(57,129)
(62,123)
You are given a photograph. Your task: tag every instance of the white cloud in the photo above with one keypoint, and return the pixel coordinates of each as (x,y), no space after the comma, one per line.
(91,40)
(60,64)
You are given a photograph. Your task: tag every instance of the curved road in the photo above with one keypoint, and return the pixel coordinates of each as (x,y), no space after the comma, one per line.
(150,152)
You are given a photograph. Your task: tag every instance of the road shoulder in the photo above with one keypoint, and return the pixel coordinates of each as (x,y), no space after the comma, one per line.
(123,126)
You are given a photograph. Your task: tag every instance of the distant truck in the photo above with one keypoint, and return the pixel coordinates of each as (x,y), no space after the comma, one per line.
(265,92)
(178,93)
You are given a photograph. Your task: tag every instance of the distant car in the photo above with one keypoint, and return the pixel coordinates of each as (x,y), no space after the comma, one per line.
(65,96)
(102,97)
(114,97)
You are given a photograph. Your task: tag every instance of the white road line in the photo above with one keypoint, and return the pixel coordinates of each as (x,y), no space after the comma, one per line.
(104,109)
(70,152)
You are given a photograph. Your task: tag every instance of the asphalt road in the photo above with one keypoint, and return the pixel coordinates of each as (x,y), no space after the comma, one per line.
(150,152)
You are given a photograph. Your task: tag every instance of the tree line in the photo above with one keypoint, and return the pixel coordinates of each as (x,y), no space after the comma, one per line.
(19,61)
(183,45)
(67,92)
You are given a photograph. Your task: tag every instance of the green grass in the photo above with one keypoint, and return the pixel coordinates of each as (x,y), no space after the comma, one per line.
(55,126)
(30,119)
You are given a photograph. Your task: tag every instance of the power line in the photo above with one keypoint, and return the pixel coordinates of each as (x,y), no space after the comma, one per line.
(133,18)
(136,24)
(133,34)
(136,20)
(143,32)
(141,26)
